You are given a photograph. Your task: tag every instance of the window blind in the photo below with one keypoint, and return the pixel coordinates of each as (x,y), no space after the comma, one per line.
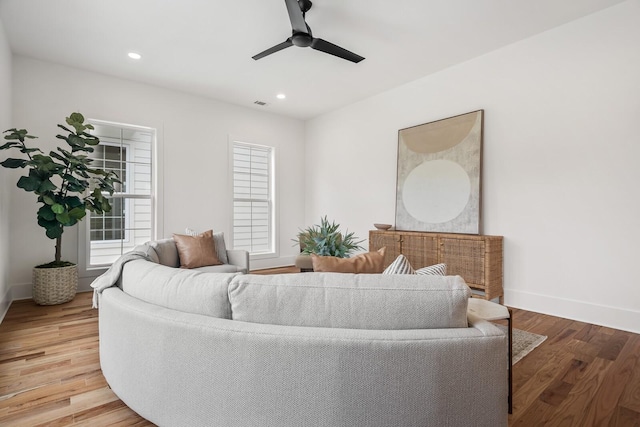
(252,198)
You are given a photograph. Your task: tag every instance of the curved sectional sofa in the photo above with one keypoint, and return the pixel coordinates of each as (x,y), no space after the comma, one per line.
(196,348)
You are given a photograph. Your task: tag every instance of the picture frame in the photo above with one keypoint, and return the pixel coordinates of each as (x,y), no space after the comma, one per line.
(439,175)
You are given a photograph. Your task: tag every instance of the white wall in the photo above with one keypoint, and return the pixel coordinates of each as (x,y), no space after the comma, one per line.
(561,154)
(5,120)
(193,162)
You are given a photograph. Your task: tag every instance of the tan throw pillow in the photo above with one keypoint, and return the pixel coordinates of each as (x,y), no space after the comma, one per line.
(196,251)
(369,262)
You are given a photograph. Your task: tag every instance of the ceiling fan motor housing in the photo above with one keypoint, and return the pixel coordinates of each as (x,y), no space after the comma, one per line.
(301,39)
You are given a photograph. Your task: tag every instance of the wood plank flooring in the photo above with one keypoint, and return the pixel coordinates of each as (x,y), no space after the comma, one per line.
(582,375)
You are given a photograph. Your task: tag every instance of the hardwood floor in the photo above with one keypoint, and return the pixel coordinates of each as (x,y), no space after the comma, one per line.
(582,375)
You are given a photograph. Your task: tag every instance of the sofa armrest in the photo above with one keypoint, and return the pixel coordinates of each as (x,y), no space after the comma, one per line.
(239,257)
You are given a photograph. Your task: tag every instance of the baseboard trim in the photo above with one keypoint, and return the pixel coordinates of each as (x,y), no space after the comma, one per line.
(597,314)
(23,290)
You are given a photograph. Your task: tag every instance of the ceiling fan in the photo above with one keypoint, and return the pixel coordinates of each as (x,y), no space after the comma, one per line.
(301,35)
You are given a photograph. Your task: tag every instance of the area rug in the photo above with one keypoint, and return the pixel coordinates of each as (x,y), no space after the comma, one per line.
(523,343)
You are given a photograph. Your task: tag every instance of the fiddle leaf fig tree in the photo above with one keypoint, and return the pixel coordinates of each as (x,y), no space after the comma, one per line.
(64,181)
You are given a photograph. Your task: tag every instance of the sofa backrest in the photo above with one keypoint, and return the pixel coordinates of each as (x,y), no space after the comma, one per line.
(353,301)
(190,291)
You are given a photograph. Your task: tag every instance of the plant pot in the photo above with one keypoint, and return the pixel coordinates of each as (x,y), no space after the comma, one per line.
(53,286)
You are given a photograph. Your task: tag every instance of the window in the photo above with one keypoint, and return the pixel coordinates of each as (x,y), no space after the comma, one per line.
(110,226)
(126,150)
(253,212)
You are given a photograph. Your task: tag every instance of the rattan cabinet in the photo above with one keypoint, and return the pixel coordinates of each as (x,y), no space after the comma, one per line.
(477,258)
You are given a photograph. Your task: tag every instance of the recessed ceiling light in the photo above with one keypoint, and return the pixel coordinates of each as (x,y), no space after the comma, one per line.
(134,55)
(281,96)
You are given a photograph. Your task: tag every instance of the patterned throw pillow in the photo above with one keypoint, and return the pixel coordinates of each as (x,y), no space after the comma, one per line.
(436,269)
(400,265)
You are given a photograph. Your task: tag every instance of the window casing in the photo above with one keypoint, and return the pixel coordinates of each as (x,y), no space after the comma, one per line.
(253,194)
(128,151)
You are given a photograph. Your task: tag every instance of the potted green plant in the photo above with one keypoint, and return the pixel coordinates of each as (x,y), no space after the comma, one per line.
(325,239)
(66,186)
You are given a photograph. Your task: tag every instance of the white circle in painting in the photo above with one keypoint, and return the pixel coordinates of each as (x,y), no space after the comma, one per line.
(436,191)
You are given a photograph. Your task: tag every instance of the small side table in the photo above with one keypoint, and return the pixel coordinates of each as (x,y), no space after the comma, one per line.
(488,310)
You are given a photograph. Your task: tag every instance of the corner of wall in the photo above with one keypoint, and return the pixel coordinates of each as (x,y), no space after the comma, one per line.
(5,120)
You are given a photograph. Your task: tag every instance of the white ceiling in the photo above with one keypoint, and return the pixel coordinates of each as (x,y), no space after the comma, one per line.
(205,47)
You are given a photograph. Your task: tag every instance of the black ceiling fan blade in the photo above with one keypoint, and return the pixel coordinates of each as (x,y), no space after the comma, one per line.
(285,44)
(332,49)
(296,17)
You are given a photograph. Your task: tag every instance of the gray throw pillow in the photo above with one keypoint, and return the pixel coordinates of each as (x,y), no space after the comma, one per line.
(221,249)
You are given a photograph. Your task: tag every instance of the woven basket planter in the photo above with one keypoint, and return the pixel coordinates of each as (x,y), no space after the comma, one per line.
(53,286)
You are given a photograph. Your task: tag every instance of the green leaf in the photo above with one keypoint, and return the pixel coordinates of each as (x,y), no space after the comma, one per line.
(59,157)
(77,213)
(48,200)
(14,163)
(29,183)
(91,139)
(9,144)
(75,118)
(57,208)
(63,218)
(46,213)
(53,228)
(45,164)
(77,121)
(76,141)
(65,128)
(76,188)
(73,202)
(54,232)
(19,134)
(46,186)
(30,150)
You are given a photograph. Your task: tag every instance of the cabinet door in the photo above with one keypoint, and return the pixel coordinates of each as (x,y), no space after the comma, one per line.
(464,257)
(388,239)
(420,249)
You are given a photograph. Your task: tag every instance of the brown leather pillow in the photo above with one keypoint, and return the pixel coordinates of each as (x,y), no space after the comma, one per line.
(196,251)
(369,262)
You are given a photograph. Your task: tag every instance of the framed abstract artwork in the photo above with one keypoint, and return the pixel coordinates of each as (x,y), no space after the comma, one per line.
(439,175)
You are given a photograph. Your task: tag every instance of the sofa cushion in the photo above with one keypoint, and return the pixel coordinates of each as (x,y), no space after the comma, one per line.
(400,265)
(190,291)
(437,269)
(167,252)
(368,262)
(196,251)
(221,248)
(351,301)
